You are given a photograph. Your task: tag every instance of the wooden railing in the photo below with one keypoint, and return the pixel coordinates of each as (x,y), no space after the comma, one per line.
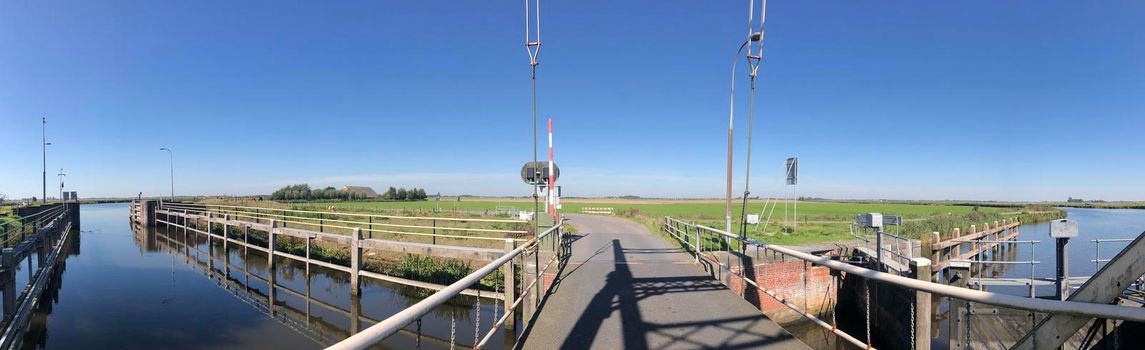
(942,249)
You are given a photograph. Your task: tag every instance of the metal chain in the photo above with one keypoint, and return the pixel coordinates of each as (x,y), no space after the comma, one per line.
(867,299)
(452,329)
(477,324)
(418,344)
(497,288)
(912,331)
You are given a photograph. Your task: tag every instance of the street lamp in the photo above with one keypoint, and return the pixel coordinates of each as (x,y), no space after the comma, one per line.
(44,156)
(172,157)
(61,175)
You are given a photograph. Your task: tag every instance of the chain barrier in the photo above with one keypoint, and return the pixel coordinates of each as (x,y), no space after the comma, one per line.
(477,323)
(418,343)
(452,329)
(867,300)
(912,331)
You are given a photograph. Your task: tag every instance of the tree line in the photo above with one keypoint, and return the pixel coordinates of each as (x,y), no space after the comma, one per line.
(303,192)
(402,194)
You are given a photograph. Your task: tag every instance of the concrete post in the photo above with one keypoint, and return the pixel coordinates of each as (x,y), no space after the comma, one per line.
(920,270)
(8,280)
(1062,257)
(355,261)
(270,244)
(879,249)
(226,234)
(355,314)
(960,276)
(510,287)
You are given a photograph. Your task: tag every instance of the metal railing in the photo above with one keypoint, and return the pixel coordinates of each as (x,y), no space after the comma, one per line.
(981,263)
(1090,310)
(16,230)
(407,228)
(48,222)
(1097,260)
(399,321)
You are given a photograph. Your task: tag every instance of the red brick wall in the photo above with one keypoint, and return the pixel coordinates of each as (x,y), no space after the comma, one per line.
(785,279)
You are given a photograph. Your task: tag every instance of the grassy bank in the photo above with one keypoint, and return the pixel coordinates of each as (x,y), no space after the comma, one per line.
(819,221)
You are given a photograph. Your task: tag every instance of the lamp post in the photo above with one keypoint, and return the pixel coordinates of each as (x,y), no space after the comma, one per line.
(44,157)
(172,157)
(61,175)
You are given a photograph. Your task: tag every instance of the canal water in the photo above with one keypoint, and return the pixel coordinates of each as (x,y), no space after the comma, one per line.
(1093,224)
(121,288)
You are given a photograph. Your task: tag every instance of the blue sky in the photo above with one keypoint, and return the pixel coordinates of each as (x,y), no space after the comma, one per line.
(1007,100)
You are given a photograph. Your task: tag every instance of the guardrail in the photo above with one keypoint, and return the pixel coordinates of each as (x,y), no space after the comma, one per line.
(45,223)
(922,284)
(16,230)
(395,323)
(457,231)
(597,211)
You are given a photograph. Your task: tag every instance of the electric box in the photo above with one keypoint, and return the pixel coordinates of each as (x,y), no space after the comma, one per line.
(873,220)
(1063,228)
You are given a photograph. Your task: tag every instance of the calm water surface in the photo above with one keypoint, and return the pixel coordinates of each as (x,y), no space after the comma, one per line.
(159,288)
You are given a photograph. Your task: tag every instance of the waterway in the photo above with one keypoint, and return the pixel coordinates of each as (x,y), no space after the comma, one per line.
(121,288)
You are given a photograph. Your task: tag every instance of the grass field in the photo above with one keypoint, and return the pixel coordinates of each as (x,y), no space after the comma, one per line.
(819,221)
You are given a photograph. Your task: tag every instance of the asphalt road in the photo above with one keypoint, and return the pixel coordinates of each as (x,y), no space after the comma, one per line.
(627,288)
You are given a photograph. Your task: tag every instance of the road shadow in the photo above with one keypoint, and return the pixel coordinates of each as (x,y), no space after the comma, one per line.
(622,293)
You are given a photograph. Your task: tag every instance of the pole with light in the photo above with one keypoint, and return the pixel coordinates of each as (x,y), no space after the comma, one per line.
(172,157)
(754,55)
(44,157)
(61,175)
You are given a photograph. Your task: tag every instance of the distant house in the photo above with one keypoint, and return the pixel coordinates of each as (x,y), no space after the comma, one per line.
(364,191)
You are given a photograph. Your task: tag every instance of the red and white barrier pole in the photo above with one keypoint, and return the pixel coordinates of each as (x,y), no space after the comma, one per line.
(552,178)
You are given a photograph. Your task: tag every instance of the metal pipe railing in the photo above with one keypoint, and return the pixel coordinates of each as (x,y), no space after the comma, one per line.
(395,323)
(1004,300)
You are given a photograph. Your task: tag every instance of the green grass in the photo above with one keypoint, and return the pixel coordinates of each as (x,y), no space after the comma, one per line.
(819,221)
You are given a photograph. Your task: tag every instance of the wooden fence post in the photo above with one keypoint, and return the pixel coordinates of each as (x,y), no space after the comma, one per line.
(960,276)
(920,269)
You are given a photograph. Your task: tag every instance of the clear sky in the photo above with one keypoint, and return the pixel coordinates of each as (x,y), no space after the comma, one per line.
(1007,100)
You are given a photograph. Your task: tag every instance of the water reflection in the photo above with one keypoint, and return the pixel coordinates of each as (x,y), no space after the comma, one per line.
(317,305)
(147,288)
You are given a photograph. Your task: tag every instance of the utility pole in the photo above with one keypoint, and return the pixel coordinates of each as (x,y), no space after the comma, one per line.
(44,157)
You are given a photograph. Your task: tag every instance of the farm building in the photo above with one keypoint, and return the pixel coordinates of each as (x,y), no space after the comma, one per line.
(364,191)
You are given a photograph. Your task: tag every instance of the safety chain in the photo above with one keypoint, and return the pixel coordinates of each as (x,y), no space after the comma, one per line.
(418,344)
(912,331)
(452,328)
(867,299)
(496,288)
(477,323)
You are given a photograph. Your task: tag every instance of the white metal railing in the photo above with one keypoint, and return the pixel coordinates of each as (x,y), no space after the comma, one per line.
(430,229)
(397,322)
(977,243)
(1091,310)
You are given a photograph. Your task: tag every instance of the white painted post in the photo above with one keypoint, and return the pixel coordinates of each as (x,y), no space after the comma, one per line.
(270,244)
(510,288)
(355,261)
